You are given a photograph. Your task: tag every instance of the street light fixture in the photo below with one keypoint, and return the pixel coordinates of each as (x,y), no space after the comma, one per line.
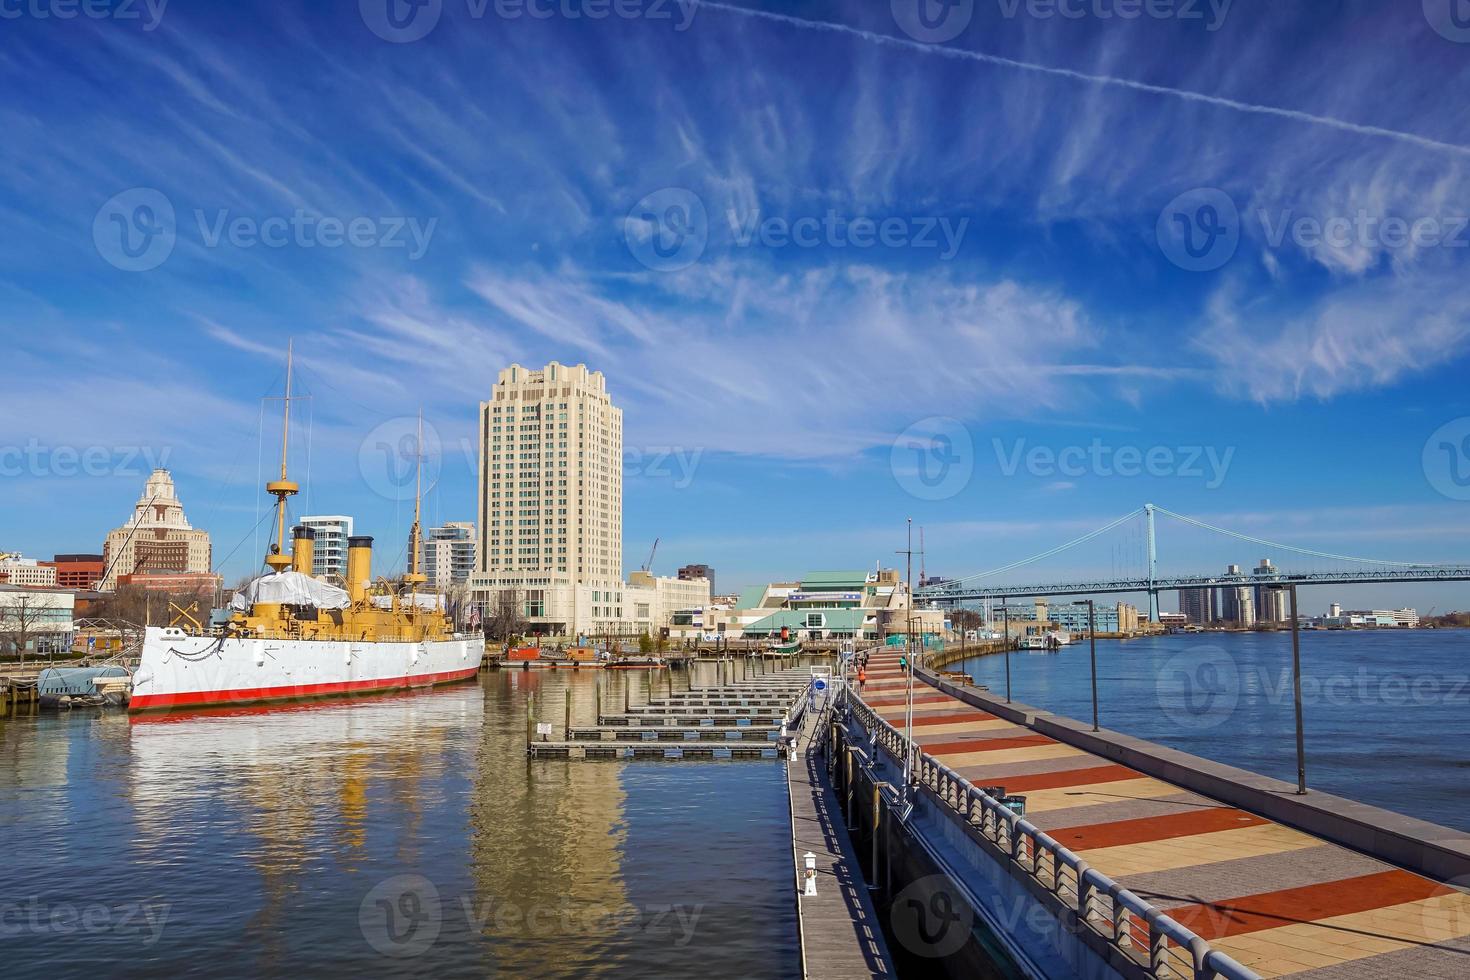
(1005,611)
(1296,693)
(1092,643)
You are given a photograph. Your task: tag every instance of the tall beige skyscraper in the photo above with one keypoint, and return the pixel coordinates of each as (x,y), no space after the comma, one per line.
(157,538)
(551,498)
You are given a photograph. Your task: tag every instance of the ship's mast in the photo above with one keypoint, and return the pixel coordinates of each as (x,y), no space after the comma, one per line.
(278,560)
(415,534)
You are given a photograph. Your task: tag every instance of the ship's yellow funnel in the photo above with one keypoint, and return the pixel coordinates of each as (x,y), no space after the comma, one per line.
(303,549)
(359,566)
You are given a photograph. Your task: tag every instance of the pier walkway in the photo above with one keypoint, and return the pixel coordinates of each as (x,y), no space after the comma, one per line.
(840,935)
(1279,901)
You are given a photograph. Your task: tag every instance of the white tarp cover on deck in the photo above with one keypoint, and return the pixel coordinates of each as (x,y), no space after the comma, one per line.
(427,601)
(292,589)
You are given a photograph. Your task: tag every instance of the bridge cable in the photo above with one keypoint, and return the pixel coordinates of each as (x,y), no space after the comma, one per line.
(1287,547)
(1046,554)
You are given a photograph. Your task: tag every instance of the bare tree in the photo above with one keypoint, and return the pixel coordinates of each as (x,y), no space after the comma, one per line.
(505,618)
(20,622)
(965,619)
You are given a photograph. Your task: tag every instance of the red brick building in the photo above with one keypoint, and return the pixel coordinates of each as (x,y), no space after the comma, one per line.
(77,571)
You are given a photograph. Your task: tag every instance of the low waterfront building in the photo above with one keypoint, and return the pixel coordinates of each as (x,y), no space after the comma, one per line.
(157,538)
(35,622)
(1378,618)
(827,605)
(26,572)
(1073,617)
(329,544)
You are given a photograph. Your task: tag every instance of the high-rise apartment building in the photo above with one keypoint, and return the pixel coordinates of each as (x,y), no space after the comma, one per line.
(1197,605)
(329,549)
(157,538)
(1271,600)
(448,556)
(550,528)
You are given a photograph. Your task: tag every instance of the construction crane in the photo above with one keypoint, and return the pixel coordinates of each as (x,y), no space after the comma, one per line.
(651,552)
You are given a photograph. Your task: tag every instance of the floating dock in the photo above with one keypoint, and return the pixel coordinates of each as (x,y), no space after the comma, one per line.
(743,719)
(839,928)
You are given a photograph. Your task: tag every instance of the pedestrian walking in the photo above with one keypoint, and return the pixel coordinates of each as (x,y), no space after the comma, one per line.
(862,679)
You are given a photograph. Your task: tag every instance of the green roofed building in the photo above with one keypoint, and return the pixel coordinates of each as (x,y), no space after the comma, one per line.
(816,624)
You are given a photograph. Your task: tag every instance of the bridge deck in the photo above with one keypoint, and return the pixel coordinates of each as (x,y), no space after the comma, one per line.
(1281,902)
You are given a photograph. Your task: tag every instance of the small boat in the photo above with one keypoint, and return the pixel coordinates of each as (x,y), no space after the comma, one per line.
(636,662)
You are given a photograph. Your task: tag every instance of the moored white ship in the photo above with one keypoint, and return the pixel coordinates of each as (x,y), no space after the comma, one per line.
(179,670)
(290,635)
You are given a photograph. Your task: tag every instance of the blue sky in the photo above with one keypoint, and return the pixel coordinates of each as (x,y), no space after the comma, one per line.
(869,233)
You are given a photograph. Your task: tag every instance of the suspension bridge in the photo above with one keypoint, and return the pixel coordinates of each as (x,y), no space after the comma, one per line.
(1348,570)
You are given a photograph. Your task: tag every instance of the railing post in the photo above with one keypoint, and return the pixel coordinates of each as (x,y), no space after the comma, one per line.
(1158,952)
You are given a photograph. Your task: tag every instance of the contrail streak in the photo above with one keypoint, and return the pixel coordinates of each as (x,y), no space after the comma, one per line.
(1081,76)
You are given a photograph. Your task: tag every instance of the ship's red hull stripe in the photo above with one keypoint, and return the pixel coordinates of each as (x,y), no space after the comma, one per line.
(143,702)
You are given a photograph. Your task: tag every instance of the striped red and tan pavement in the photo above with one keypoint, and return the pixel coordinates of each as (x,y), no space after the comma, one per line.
(1282,902)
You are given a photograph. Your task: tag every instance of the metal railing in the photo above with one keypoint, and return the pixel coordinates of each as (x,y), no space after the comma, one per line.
(1131,926)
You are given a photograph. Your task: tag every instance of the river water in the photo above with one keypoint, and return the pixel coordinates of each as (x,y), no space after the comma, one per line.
(1387,713)
(401,835)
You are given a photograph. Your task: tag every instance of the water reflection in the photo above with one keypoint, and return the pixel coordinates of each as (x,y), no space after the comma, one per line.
(397,835)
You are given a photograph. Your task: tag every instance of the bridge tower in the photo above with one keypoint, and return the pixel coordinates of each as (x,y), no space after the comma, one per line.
(1153,565)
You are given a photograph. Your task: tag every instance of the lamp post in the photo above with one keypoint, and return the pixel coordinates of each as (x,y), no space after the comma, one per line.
(1296,695)
(1005,611)
(1092,644)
